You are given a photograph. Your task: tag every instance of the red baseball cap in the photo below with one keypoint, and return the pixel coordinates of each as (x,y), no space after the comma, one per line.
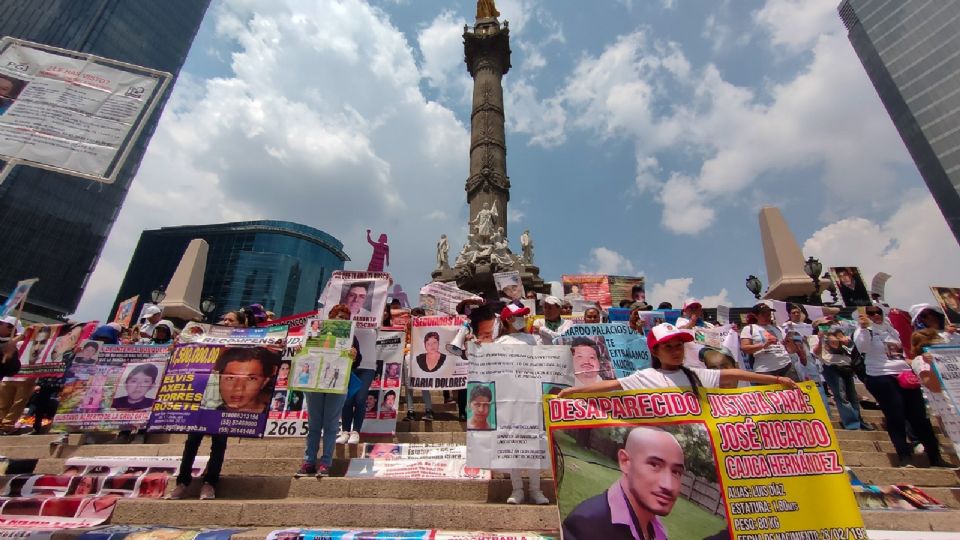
(664,332)
(513,310)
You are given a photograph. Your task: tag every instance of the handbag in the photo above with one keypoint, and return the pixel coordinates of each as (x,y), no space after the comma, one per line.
(908,380)
(353,386)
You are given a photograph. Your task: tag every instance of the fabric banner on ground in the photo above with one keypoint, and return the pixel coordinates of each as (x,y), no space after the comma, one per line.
(442,298)
(398,534)
(753,463)
(124,314)
(381,413)
(157,532)
(69,112)
(622,288)
(605,351)
(415,462)
(112,388)
(43,348)
(432,367)
(323,363)
(364,294)
(288,416)
(585,290)
(504,415)
(17,297)
(219,381)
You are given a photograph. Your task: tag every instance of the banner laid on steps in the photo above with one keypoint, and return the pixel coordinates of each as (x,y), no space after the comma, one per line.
(158,532)
(432,366)
(751,464)
(505,427)
(323,363)
(288,415)
(220,380)
(414,462)
(364,294)
(111,387)
(87,491)
(43,347)
(381,414)
(398,534)
(605,351)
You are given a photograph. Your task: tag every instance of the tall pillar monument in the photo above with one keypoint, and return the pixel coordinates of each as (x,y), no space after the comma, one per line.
(487,249)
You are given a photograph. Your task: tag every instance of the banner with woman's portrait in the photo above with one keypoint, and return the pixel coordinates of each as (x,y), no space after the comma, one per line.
(432,366)
(759,462)
(220,381)
(111,387)
(364,294)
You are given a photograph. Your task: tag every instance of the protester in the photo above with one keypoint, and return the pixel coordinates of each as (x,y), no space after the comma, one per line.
(664,305)
(151,316)
(666,346)
(15,391)
(592,315)
(551,326)
(354,408)
(764,342)
(833,349)
(691,316)
(931,316)
(938,401)
(900,399)
(218,445)
(163,333)
(324,412)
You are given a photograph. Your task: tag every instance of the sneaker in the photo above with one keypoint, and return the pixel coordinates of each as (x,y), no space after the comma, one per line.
(178,492)
(410,417)
(323,470)
(306,469)
(354,438)
(516,497)
(428,416)
(207,492)
(463,417)
(343,437)
(538,497)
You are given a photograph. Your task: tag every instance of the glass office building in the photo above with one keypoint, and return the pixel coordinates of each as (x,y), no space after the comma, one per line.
(279,264)
(54,225)
(911,52)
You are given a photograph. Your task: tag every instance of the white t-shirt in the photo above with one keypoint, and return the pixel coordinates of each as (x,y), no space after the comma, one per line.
(771,358)
(518,338)
(548,336)
(682,321)
(658,378)
(881,349)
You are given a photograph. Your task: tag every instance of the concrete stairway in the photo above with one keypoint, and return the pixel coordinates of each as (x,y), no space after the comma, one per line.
(258,489)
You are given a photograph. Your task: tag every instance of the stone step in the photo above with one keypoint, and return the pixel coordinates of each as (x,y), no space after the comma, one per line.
(9,441)
(451,425)
(354,512)
(30,452)
(889,520)
(884,476)
(495,490)
(885,459)
(877,435)
(883,447)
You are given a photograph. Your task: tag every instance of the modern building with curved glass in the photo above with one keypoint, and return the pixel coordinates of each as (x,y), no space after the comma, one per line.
(279,264)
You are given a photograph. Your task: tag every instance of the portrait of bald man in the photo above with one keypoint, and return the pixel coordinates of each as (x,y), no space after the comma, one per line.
(651,465)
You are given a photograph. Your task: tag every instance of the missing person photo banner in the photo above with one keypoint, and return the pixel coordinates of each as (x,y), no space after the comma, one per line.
(442,298)
(584,290)
(504,415)
(509,286)
(432,366)
(380,416)
(111,387)
(747,463)
(850,286)
(364,294)
(605,351)
(324,362)
(219,381)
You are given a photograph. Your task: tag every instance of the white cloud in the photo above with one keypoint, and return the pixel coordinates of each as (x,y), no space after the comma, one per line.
(441,44)
(678,290)
(322,123)
(914,245)
(607,261)
(797,24)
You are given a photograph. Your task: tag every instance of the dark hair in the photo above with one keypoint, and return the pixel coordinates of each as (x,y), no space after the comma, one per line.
(694,379)
(479,315)
(241,316)
(433,335)
(479,391)
(269,359)
(93,344)
(586,342)
(417,312)
(635,288)
(625,303)
(149,370)
(665,305)
(388,394)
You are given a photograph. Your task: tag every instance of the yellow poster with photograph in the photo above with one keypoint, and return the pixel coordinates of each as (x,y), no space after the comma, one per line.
(760,463)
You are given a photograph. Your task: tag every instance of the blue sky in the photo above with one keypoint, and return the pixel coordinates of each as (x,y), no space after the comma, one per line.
(643,138)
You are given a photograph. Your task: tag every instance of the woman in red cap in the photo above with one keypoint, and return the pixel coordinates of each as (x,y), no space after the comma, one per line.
(666,345)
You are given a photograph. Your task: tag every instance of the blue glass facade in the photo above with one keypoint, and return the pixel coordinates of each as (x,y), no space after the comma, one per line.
(279,264)
(54,225)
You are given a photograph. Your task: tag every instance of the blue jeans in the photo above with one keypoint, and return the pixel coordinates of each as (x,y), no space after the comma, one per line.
(844,395)
(323,412)
(427,400)
(355,408)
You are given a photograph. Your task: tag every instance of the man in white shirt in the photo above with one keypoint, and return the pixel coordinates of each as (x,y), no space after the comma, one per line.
(764,341)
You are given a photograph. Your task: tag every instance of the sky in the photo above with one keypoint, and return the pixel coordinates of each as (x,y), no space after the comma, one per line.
(643,138)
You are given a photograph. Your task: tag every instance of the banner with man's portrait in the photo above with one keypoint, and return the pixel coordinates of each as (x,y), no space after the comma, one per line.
(43,349)
(432,366)
(850,286)
(948,298)
(219,381)
(509,286)
(364,294)
(632,289)
(382,400)
(748,463)
(323,363)
(112,389)
(504,414)
(288,414)
(605,351)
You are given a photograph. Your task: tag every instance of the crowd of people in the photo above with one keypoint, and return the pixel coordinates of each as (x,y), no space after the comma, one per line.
(874,347)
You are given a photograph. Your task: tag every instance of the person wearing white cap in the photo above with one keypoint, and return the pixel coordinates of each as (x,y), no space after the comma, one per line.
(692,316)
(552,325)
(931,316)
(148,322)
(666,345)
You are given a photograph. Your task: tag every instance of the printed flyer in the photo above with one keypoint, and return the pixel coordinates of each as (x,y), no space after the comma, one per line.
(111,387)
(288,413)
(405,534)
(432,367)
(364,294)
(504,416)
(414,462)
(219,381)
(752,463)
(382,399)
(442,298)
(605,351)
(43,347)
(323,363)
(585,290)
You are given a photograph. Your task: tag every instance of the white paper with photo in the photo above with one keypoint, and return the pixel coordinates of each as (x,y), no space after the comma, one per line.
(509,286)
(364,293)
(511,435)
(379,417)
(432,366)
(442,298)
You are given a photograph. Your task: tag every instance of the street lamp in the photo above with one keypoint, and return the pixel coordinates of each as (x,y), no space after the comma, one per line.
(754,285)
(207,306)
(158,294)
(812,268)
